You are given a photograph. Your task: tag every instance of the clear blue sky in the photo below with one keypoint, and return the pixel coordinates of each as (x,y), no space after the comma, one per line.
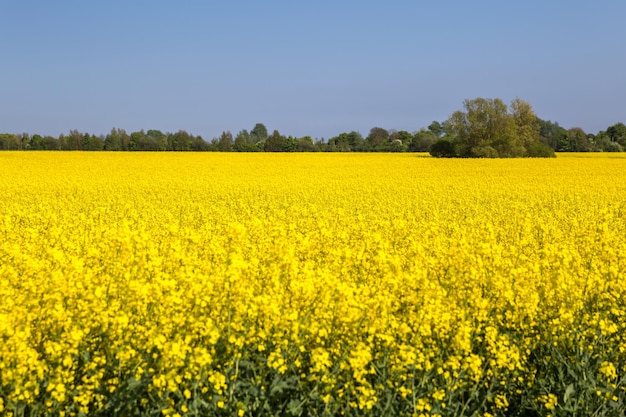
(314,68)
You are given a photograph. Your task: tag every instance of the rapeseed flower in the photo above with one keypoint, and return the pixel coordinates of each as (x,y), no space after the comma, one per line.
(238,284)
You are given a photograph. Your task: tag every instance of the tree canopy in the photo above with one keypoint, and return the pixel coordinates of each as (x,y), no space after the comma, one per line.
(485,127)
(488,128)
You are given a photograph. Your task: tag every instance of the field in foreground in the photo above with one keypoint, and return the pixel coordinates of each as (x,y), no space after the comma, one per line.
(311,284)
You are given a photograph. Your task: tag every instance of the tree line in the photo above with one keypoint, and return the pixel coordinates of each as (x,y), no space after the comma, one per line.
(484,128)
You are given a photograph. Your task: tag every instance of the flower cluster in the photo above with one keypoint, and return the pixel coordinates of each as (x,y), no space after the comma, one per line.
(311,284)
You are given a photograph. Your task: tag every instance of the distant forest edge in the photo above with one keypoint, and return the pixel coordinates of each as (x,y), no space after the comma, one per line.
(485,128)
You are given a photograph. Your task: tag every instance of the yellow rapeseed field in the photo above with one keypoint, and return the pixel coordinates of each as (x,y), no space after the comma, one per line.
(311,284)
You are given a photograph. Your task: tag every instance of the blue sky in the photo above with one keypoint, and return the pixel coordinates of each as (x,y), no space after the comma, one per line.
(304,68)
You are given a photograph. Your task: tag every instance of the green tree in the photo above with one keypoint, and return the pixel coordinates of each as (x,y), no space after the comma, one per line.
(306,144)
(73,141)
(422,141)
(577,140)
(486,129)
(339,143)
(179,141)
(117,140)
(35,142)
(245,142)
(617,133)
(290,144)
(436,128)
(9,142)
(50,143)
(482,127)
(92,143)
(396,145)
(199,145)
(241,141)
(355,139)
(604,143)
(259,133)
(526,128)
(346,142)
(137,141)
(550,133)
(378,139)
(403,136)
(112,141)
(24,141)
(225,142)
(142,141)
(276,143)
(158,138)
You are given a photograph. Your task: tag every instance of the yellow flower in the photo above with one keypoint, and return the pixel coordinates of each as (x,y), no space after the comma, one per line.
(550,401)
(608,370)
(501,401)
(184,271)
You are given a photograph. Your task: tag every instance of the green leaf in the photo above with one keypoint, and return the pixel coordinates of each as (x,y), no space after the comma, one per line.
(295,407)
(568,392)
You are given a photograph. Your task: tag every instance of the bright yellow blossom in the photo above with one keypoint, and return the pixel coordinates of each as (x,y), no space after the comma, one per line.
(349,279)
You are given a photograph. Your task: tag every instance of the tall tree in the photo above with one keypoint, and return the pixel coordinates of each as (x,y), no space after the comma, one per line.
(577,140)
(422,140)
(225,142)
(241,140)
(526,128)
(617,133)
(275,143)
(158,138)
(245,142)
(305,144)
(179,141)
(551,133)
(9,142)
(117,140)
(199,144)
(92,143)
(50,143)
(346,141)
(436,128)
(24,141)
(259,133)
(35,142)
(377,138)
(486,128)
(138,141)
(74,141)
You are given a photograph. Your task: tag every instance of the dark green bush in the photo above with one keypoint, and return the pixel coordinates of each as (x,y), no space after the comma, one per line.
(442,149)
(540,150)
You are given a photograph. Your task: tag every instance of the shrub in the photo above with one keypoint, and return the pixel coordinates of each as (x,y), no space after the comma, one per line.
(484,152)
(442,149)
(540,150)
